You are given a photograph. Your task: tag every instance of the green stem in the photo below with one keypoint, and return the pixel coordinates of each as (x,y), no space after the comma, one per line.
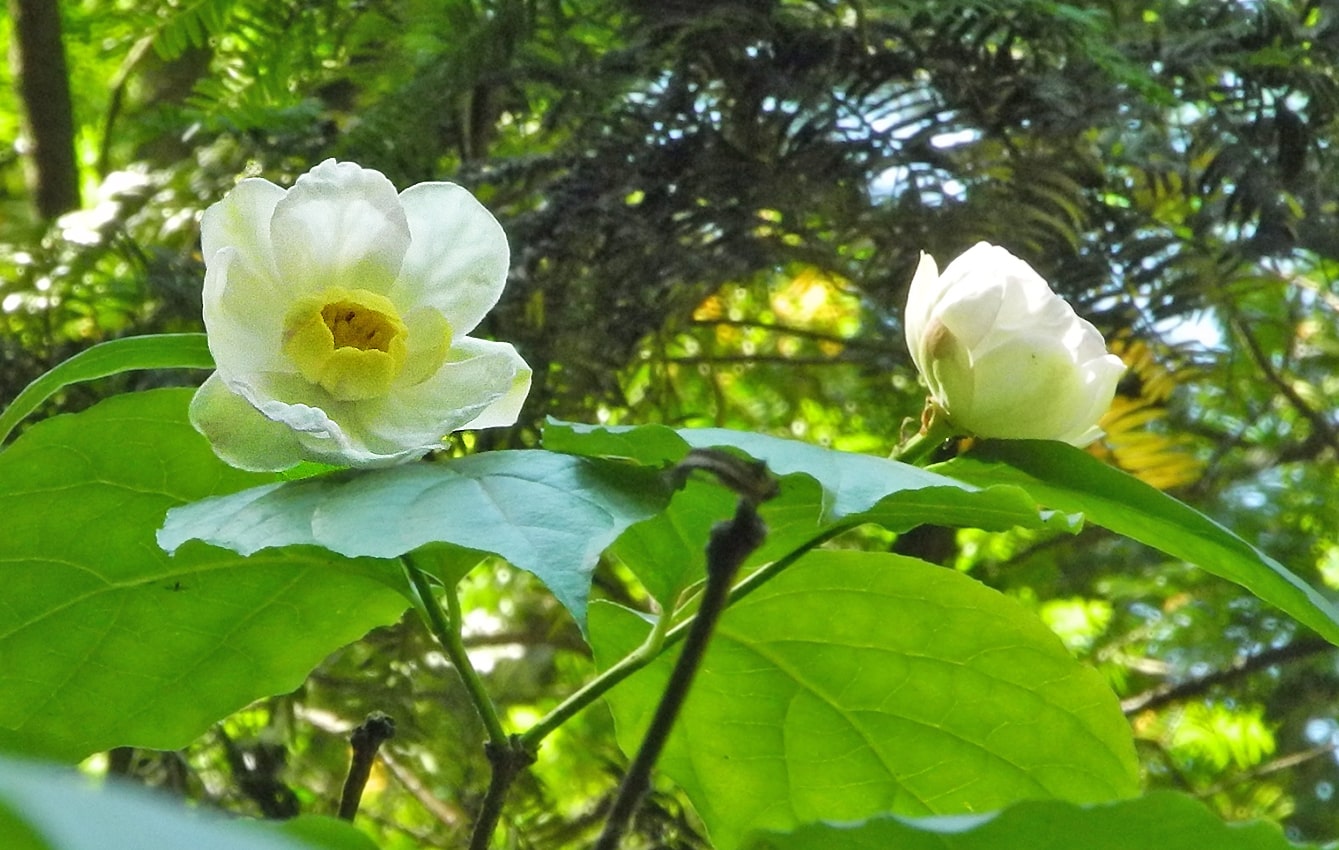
(588,693)
(655,645)
(447,631)
(935,430)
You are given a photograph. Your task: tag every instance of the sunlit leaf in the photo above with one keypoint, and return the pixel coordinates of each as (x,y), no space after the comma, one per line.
(1162,820)
(326,832)
(550,514)
(1067,479)
(105,640)
(860,683)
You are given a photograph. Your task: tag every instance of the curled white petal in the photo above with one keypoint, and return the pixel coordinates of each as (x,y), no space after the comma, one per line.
(480,386)
(240,434)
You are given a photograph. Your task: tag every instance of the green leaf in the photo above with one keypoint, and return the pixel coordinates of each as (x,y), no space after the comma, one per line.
(550,514)
(821,490)
(667,552)
(105,640)
(648,445)
(327,833)
(45,808)
(1161,820)
(165,351)
(1062,477)
(859,683)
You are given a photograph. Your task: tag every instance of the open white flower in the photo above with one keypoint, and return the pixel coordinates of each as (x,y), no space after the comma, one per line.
(337,314)
(1003,355)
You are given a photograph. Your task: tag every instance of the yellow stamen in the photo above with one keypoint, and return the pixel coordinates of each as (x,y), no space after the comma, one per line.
(351,342)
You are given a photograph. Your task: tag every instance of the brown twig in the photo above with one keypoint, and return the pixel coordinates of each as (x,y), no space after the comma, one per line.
(1319,422)
(366,739)
(1170,692)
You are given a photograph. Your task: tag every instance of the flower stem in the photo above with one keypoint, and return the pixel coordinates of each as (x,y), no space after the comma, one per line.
(507,755)
(445,626)
(935,429)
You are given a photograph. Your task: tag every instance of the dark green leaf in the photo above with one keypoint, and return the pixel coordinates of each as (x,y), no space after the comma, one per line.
(1161,820)
(550,514)
(860,683)
(105,640)
(1065,478)
(167,351)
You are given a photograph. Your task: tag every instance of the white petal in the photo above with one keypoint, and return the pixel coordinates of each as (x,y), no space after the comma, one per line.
(340,225)
(241,220)
(1101,377)
(457,258)
(239,433)
(243,316)
(505,410)
(1025,389)
(481,381)
(920,298)
(970,310)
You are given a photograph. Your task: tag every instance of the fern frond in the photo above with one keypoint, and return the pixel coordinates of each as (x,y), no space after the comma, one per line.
(191,24)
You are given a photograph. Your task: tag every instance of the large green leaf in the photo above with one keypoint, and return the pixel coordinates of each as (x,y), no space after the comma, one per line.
(106,640)
(1161,820)
(165,351)
(821,490)
(45,808)
(550,514)
(1062,477)
(860,683)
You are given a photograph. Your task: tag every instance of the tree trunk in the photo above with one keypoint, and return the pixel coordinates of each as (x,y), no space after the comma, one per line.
(37,57)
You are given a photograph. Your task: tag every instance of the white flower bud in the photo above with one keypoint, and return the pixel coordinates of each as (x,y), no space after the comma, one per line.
(1003,355)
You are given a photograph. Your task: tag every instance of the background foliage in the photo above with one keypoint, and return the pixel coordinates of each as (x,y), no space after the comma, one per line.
(714,210)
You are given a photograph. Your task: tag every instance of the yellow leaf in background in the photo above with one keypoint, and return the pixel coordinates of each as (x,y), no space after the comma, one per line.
(1134,442)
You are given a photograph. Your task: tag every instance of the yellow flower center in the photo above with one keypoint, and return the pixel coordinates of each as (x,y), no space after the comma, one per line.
(350,341)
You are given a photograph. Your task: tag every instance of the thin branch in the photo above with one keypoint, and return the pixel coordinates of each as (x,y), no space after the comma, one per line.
(508,755)
(446,814)
(601,684)
(1281,763)
(1170,692)
(508,760)
(1319,422)
(731,543)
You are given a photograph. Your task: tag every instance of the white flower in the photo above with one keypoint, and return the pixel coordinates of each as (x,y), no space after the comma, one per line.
(337,314)
(1003,355)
